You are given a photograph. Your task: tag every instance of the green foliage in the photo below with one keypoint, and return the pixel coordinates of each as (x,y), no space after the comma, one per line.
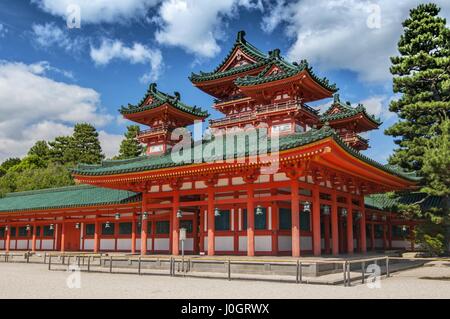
(130,146)
(54,175)
(85,145)
(422,76)
(431,238)
(29,162)
(10,162)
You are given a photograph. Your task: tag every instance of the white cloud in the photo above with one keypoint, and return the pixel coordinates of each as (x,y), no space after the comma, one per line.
(196,25)
(99,11)
(137,53)
(378,106)
(110,143)
(335,34)
(39,107)
(50,35)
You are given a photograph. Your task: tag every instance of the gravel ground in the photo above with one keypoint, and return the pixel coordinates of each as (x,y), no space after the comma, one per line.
(35,281)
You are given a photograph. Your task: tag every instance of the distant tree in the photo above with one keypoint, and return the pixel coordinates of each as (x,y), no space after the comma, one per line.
(422,76)
(41,149)
(60,150)
(29,162)
(130,146)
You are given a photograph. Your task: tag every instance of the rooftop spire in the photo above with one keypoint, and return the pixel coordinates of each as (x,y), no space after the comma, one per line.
(241,36)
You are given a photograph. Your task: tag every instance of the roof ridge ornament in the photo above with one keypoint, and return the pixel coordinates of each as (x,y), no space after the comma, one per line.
(152,87)
(241,36)
(336,98)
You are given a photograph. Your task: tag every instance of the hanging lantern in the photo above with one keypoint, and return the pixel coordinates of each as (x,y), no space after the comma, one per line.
(51,227)
(77,225)
(259,210)
(383,218)
(326,210)
(344,212)
(28,228)
(117,216)
(404,228)
(307,207)
(216,212)
(6,228)
(179,214)
(107,225)
(144,215)
(374,217)
(358,215)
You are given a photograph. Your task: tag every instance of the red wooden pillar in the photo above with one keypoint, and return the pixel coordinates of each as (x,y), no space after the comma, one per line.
(8,238)
(63,236)
(334,223)
(195,233)
(56,237)
(33,239)
(317,242)
(211,220)
(250,219)
(275,226)
(362,225)
(133,234)
(349,225)
(96,236)
(295,217)
(175,223)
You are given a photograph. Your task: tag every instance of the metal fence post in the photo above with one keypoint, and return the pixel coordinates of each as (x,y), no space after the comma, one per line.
(363,271)
(297,272)
(349,264)
(89,264)
(229,269)
(110,264)
(344,270)
(45,257)
(28,257)
(49,262)
(139,265)
(387,266)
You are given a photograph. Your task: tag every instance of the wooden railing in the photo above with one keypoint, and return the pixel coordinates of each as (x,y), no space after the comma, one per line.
(152,130)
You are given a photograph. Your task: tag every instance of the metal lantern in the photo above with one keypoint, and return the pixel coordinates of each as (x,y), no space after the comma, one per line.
(6,228)
(344,212)
(216,212)
(77,225)
(117,216)
(51,227)
(326,210)
(107,225)
(374,217)
(144,215)
(259,210)
(307,207)
(383,218)
(179,213)
(358,215)
(28,227)
(404,228)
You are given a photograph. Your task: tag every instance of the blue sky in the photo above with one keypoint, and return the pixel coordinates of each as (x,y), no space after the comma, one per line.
(52,76)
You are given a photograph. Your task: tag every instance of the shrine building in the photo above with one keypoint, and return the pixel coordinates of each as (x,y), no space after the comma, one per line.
(294,182)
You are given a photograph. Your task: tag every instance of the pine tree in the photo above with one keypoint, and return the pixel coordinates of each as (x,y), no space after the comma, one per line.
(85,146)
(130,146)
(422,76)
(40,149)
(61,152)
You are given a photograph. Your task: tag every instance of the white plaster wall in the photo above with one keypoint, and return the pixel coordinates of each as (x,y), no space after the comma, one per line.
(138,244)
(205,243)
(38,244)
(89,244)
(149,244)
(123,244)
(2,244)
(188,244)
(284,243)
(22,244)
(224,243)
(107,244)
(263,243)
(161,244)
(47,244)
(242,243)
(306,243)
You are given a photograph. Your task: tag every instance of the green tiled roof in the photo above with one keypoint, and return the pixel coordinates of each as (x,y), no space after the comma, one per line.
(289,69)
(346,111)
(389,202)
(147,163)
(160,98)
(65,197)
